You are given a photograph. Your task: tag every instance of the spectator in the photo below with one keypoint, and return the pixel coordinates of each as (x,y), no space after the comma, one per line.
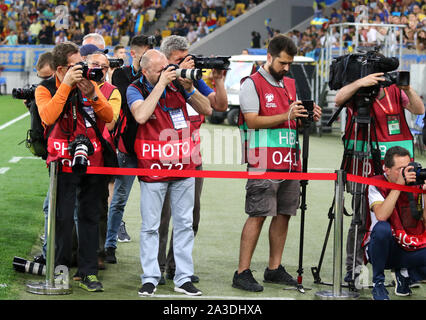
(11,39)
(61,38)
(255,39)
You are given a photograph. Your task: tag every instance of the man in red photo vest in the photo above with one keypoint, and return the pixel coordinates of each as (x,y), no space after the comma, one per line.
(270,109)
(396,236)
(389,128)
(164,141)
(62,111)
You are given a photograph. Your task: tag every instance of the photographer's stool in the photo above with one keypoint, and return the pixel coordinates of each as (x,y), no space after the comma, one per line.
(3,83)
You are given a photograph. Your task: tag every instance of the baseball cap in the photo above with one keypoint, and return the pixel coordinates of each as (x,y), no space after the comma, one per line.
(91,48)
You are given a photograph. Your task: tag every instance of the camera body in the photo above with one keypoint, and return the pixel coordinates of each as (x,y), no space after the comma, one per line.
(309,106)
(351,67)
(218,62)
(80,149)
(95,74)
(420,173)
(25,93)
(115,63)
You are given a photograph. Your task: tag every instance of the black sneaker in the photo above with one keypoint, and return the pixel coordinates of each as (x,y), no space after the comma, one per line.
(245,281)
(123,236)
(195,279)
(110,255)
(189,289)
(279,276)
(91,284)
(147,290)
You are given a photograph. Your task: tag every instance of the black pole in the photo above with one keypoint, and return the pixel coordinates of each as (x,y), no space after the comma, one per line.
(303,184)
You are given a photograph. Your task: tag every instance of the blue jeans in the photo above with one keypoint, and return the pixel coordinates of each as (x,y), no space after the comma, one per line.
(182,206)
(122,187)
(385,253)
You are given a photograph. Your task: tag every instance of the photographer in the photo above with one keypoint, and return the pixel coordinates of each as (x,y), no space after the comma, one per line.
(124,132)
(387,111)
(175,48)
(159,108)
(61,109)
(268,102)
(396,237)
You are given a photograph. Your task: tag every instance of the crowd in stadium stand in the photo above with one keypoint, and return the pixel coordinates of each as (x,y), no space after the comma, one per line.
(33,22)
(412,13)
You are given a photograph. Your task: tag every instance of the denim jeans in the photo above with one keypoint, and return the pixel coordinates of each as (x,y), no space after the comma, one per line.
(182,206)
(385,253)
(122,187)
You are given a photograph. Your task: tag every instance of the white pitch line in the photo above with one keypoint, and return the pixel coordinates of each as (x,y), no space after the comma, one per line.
(175,296)
(3,170)
(3,126)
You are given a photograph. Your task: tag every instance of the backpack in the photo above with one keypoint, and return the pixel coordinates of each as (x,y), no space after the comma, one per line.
(37,135)
(126,125)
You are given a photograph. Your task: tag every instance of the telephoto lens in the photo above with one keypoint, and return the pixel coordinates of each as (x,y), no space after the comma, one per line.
(25,266)
(193,74)
(81,148)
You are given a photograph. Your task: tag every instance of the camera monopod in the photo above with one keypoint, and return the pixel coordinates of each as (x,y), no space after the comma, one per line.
(309,105)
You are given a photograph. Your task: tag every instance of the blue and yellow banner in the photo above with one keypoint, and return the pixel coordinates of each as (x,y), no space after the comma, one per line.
(139,23)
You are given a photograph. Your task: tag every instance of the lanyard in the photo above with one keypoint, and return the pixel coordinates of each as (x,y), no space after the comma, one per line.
(149,87)
(389,103)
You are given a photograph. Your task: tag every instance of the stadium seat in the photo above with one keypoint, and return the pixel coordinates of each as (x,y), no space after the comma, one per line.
(417,133)
(166,33)
(240,6)
(89,18)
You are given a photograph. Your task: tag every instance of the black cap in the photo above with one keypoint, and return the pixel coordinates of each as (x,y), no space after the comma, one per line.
(91,48)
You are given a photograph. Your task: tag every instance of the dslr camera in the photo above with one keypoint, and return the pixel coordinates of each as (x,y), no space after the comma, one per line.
(348,68)
(80,149)
(94,74)
(218,62)
(115,63)
(420,173)
(193,74)
(25,93)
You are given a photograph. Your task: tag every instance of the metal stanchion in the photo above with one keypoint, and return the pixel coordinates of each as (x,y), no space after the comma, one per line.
(337,292)
(51,286)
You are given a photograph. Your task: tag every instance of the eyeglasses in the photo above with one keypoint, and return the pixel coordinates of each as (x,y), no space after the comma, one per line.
(97,65)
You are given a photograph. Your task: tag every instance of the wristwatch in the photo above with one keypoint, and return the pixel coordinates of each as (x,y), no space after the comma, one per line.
(95,98)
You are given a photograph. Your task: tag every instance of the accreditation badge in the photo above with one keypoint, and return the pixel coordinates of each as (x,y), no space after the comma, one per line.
(178,119)
(393,124)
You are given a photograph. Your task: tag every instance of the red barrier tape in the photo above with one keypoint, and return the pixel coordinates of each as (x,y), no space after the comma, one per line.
(245,175)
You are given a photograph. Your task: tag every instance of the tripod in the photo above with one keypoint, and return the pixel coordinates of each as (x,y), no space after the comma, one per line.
(356,161)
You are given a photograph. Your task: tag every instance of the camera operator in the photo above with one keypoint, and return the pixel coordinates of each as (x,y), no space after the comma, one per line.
(159,107)
(175,48)
(391,128)
(122,78)
(396,238)
(61,109)
(268,101)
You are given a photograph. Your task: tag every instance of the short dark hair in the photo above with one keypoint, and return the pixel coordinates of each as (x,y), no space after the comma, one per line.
(281,43)
(62,51)
(139,41)
(392,152)
(46,58)
(118,47)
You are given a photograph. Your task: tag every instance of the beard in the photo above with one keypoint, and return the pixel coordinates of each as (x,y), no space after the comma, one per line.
(278,76)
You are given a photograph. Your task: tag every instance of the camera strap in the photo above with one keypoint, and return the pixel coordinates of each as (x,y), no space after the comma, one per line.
(416,208)
(94,126)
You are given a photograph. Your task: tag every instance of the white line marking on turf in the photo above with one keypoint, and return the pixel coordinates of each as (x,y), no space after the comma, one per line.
(17,159)
(3,126)
(3,170)
(175,296)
